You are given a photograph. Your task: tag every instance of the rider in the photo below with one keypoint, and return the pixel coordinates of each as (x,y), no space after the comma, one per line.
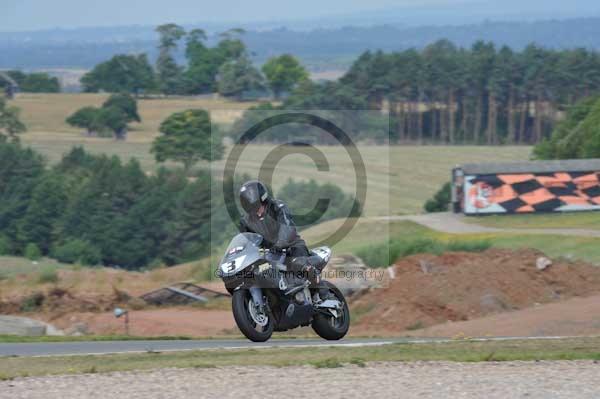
(271,219)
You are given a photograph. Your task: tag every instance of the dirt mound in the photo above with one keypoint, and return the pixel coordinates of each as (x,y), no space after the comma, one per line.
(188,321)
(87,289)
(575,316)
(429,290)
(58,301)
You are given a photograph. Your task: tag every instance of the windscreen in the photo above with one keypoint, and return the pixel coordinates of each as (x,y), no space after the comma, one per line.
(240,242)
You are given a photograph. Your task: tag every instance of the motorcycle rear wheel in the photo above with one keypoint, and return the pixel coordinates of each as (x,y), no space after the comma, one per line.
(243,311)
(329,327)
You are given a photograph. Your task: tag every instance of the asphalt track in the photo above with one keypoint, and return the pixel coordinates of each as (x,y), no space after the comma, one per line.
(111,347)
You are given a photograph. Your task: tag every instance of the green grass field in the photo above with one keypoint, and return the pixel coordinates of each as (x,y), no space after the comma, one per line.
(579,220)
(400,178)
(325,357)
(368,233)
(46,113)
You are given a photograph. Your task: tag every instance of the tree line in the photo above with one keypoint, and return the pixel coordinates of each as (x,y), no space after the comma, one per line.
(448,94)
(225,68)
(96,209)
(35,82)
(577,136)
(480,95)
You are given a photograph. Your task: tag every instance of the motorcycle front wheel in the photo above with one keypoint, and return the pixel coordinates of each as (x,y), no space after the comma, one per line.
(330,327)
(255,325)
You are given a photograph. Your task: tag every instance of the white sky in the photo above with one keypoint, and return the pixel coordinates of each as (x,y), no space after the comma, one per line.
(41,14)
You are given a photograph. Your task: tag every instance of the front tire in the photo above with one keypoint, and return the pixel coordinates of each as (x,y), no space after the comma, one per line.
(329,327)
(243,309)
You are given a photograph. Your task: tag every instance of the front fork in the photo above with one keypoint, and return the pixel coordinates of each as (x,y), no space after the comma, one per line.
(257,298)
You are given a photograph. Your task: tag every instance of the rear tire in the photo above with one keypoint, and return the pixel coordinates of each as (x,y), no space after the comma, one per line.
(240,303)
(328,327)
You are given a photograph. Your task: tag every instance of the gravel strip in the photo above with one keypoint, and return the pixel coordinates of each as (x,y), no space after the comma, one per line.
(546,379)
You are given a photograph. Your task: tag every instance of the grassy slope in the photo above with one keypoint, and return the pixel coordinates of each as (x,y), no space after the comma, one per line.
(370,232)
(46,113)
(581,220)
(400,179)
(327,357)
(12,265)
(22,278)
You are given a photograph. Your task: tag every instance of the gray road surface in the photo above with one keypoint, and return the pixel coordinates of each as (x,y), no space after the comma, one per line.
(105,347)
(108,347)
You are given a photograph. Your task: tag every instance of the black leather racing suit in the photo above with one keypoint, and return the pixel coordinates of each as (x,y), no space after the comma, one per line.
(277,228)
(278,231)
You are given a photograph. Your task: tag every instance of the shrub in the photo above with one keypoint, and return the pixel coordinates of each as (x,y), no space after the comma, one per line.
(32,252)
(384,255)
(91,256)
(136,304)
(469,246)
(74,250)
(415,326)
(5,245)
(576,136)
(48,275)
(329,363)
(32,302)
(301,197)
(440,201)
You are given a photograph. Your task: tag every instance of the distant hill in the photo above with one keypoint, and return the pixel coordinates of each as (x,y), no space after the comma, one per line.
(321,49)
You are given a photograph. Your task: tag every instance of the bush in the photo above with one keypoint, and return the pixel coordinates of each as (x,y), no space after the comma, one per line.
(32,252)
(5,245)
(32,302)
(329,363)
(48,275)
(136,304)
(577,136)
(74,250)
(301,197)
(469,246)
(440,201)
(118,211)
(385,254)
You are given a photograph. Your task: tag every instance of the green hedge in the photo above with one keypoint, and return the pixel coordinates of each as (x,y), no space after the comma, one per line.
(384,255)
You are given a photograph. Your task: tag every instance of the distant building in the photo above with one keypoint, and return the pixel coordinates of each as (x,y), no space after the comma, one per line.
(526,187)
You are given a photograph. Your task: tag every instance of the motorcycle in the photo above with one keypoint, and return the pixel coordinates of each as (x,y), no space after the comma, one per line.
(267,297)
